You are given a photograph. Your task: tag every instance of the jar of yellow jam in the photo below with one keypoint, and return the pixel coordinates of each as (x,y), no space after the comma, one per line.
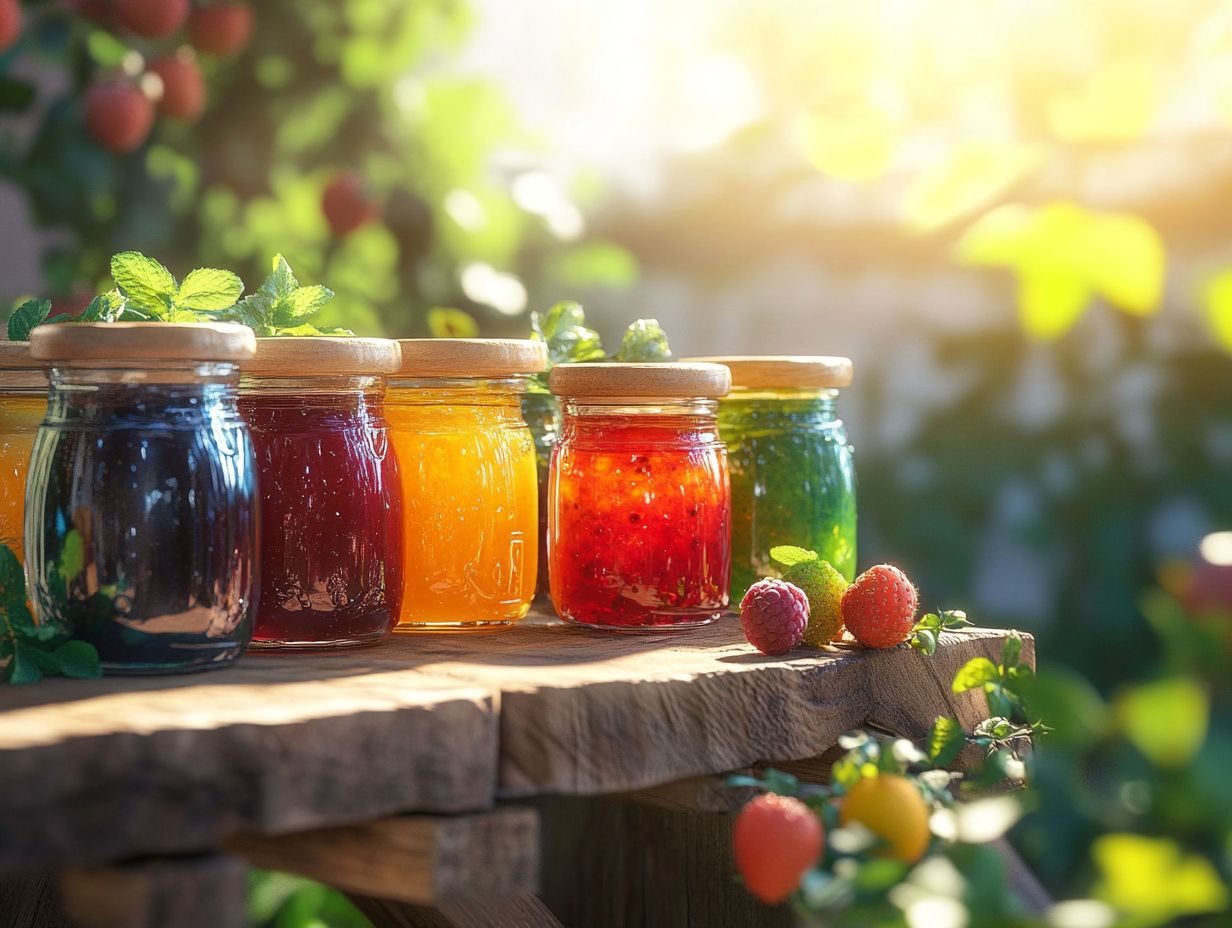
(469,482)
(23,403)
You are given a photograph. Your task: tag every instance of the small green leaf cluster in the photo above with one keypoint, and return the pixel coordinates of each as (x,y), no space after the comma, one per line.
(152,294)
(106,307)
(1000,682)
(926,634)
(30,650)
(790,555)
(281,306)
(570,341)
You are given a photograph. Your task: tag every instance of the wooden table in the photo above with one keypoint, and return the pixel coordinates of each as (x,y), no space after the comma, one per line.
(543,776)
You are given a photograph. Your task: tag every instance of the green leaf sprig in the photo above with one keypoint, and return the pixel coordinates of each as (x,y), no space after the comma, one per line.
(30,651)
(926,633)
(106,307)
(570,341)
(282,307)
(151,292)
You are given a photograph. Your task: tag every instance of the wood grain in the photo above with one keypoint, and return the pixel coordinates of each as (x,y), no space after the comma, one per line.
(422,859)
(187,892)
(522,911)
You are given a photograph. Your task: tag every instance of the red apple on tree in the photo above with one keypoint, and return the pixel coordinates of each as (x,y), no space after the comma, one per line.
(152,19)
(184,92)
(347,204)
(220,29)
(10,23)
(118,114)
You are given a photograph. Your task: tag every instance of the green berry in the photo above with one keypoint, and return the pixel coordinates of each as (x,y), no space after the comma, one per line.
(824,586)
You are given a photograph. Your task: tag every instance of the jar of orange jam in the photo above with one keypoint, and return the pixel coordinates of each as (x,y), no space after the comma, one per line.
(469,482)
(639,510)
(23,403)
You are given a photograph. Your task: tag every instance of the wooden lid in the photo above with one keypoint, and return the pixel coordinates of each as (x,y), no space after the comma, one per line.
(472,357)
(15,356)
(786,371)
(641,381)
(75,342)
(323,356)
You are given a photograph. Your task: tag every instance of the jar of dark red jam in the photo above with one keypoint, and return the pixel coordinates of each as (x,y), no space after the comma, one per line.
(331,505)
(141,524)
(23,402)
(639,518)
(792,470)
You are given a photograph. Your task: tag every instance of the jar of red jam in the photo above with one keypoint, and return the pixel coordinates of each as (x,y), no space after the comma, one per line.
(331,503)
(141,523)
(639,518)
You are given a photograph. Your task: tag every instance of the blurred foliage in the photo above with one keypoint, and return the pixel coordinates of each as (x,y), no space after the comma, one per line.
(279,900)
(323,88)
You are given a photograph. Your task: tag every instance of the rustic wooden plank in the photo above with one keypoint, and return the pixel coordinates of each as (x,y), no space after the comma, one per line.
(205,891)
(32,901)
(100,770)
(522,911)
(587,713)
(421,859)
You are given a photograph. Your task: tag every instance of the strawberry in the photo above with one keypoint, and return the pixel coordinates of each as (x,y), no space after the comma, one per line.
(775,841)
(151,19)
(118,115)
(346,203)
(183,86)
(879,607)
(10,23)
(220,29)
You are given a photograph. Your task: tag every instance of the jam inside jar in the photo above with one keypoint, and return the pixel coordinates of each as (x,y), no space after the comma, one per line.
(640,504)
(470,484)
(23,403)
(331,504)
(141,522)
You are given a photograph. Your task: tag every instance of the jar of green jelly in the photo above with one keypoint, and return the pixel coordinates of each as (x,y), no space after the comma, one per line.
(792,472)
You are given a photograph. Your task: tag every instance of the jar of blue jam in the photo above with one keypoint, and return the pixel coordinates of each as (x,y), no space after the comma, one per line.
(141,518)
(792,467)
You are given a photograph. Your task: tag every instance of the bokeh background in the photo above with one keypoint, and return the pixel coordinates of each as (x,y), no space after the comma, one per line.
(1012,215)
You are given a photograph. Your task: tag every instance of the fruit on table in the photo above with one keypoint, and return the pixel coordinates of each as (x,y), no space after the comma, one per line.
(824,586)
(183,86)
(220,29)
(879,607)
(892,808)
(152,19)
(347,204)
(775,841)
(10,23)
(774,615)
(118,115)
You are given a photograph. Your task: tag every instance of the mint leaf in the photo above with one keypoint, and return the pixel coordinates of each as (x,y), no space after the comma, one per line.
(23,669)
(145,283)
(924,640)
(945,741)
(300,304)
(26,318)
(1011,652)
(563,329)
(107,307)
(449,322)
(790,555)
(78,660)
(644,340)
(209,289)
(976,672)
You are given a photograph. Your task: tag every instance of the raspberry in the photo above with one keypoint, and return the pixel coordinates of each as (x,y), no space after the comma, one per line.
(775,841)
(824,586)
(118,115)
(879,607)
(10,23)
(183,86)
(221,29)
(346,204)
(152,19)
(774,615)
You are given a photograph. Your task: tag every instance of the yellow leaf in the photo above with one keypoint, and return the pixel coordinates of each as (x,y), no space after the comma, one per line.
(997,238)
(1050,303)
(1166,720)
(1124,259)
(448,322)
(975,174)
(1116,104)
(1151,881)
(855,144)
(1217,301)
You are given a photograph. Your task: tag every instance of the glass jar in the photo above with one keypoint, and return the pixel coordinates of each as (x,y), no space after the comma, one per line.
(23,403)
(542,412)
(470,482)
(331,502)
(141,524)
(640,506)
(792,469)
